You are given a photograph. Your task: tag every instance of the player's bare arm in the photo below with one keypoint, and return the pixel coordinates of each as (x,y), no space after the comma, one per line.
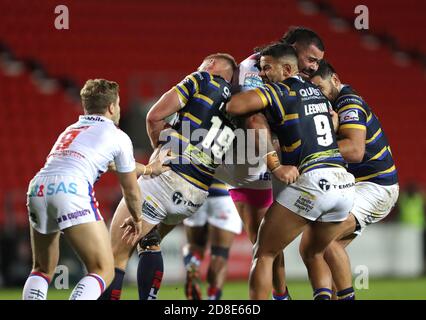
(156,165)
(352,144)
(244,103)
(167,105)
(154,168)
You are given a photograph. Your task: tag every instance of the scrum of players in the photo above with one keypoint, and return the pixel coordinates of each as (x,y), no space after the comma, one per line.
(313,135)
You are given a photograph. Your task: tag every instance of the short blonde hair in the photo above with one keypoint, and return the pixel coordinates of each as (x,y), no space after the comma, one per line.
(224,56)
(98,94)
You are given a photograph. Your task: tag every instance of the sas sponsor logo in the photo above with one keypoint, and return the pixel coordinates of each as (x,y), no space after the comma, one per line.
(349,115)
(52,189)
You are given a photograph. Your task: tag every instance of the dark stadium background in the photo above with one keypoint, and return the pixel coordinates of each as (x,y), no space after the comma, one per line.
(147,46)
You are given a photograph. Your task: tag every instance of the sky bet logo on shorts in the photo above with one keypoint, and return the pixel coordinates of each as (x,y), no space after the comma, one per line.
(53,189)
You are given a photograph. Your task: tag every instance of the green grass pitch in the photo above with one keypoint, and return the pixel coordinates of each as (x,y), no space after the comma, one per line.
(379,289)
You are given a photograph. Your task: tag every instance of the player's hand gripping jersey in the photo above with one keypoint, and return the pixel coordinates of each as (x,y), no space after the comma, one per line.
(377,166)
(202,132)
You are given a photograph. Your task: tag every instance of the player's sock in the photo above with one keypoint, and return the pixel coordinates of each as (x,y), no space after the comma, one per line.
(150,274)
(214,293)
(346,294)
(281,296)
(191,259)
(36,287)
(88,288)
(113,292)
(192,262)
(322,294)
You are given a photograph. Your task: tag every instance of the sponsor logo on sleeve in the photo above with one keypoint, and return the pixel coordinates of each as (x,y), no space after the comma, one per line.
(349,115)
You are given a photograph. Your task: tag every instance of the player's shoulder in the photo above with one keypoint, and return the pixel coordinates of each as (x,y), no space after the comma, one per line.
(200,76)
(197,79)
(121,135)
(289,85)
(348,96)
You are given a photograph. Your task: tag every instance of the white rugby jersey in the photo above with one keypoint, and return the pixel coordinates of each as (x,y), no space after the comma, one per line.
(251,176)
(249,74)
(86,147)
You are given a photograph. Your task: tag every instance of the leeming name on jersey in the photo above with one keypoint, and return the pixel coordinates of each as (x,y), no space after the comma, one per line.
(377,165)
(299,114)
(203,132)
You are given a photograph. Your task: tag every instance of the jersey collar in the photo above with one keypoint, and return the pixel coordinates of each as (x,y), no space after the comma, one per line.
(94,118)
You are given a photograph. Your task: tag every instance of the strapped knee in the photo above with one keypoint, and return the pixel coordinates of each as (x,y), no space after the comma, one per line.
(152,239)
(220,252)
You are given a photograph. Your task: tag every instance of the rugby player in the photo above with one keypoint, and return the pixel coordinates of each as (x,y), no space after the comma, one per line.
(216,222)
(175,195)
(61,197)
(363,144)
(250,183)
(323,194)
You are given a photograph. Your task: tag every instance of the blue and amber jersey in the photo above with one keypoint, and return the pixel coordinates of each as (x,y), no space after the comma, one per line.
(203,132)
(218,189)
(299,114)
(377,165)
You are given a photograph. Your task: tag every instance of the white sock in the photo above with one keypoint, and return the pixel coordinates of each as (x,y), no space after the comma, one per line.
(35,287)
(89,288)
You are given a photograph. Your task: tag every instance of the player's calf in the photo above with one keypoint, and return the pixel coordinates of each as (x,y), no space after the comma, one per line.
(192,261)
(151,266)
(217,272)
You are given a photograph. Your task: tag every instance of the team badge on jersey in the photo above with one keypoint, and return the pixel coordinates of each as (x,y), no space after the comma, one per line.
(177,198)
(324,185)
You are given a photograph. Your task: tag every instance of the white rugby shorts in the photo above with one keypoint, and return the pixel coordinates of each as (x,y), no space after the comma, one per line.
(219,212)
(168,198)
(373,202)
(324,195)
(58,202)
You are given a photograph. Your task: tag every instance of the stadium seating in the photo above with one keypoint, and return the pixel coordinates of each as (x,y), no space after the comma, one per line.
(398,20)
(148,46)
